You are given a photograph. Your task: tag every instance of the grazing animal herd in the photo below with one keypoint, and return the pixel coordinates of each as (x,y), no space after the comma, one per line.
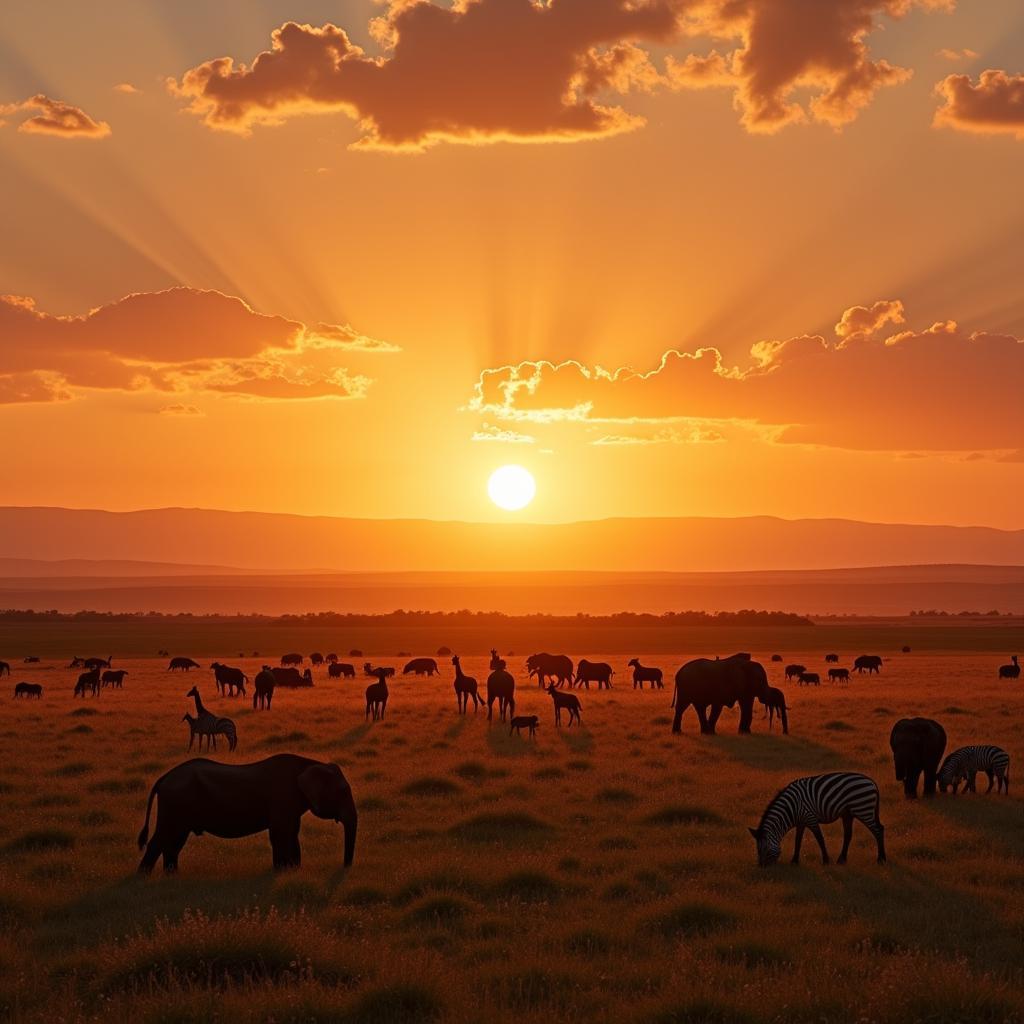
(271,795)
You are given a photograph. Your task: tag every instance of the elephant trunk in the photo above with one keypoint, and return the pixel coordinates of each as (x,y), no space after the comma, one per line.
(349,821)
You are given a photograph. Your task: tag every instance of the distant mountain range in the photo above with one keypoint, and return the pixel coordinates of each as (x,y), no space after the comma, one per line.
(177,541)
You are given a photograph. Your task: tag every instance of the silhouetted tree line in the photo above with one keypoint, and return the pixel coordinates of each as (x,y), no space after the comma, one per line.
(744,617)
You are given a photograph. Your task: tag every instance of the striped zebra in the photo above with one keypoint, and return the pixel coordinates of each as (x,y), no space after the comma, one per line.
(815,801)
(964,764)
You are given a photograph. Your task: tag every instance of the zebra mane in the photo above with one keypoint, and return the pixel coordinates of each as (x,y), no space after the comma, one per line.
(771,804)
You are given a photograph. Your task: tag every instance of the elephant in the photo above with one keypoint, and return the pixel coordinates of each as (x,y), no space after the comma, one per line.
(292,677)
(717,684)
(917,747)
(421,667)
(235,800)
(557,666)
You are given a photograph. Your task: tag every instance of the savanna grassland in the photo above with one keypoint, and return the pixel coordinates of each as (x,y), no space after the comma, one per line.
(596,874)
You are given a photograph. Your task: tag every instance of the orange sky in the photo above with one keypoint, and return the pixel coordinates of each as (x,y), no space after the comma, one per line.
(678,257)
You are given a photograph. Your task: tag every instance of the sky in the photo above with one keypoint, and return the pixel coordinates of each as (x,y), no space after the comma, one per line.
(676,257)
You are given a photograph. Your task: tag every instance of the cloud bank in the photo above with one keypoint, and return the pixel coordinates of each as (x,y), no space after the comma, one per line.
(992,106)
(176,341)
(56,118)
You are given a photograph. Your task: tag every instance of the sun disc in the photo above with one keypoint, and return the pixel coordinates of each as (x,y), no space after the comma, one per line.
(511,487)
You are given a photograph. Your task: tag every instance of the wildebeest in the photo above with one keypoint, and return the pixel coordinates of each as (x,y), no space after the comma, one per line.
(291,659)
(377,696)
(599,672)
(868,662)
(341,669)
(793,671)
(553,666)
(229,680)
(292,677)
(91,663)
(331,659)
(263,688)
(1011,671)
(831,659)
(809,679)
(114,677)
(88,681)
(838,675)
(370,670)
(28,690)
(776,657)
(643,674)
(421,667)
(316,658)
(520,722)
(182,665)
(565,701)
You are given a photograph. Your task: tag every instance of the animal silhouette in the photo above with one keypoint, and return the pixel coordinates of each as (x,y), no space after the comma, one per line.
(377,695)
(98,662)
(868,663)
(28,690)
(599,672)
(501,687)
(1011,671)
(777,657)
(292,677)
(291,659)
(964,764)
(331,659)
(917,746)
(905,649)
(209,725)
(30,660)
(567,702)
(114,677)
(370,670)
(76,662)
(465,687)
(316,659)
(421,667)
(494,659)
(712,685)
(182,665)
(642,674)
(88,681)
(794,671)
(775,704)
(520,722)
(809,679)
(838,675)
(831,659)
(263,688)
(340,669)
(550,666)
(229,680)
(814,801)
(231,801)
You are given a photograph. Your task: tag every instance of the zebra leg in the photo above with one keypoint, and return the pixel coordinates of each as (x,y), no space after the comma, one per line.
(797,843)
(990,781)
(816,832)
(847,836)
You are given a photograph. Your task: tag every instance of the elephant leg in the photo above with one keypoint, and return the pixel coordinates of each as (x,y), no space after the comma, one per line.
(677,721)
(910,783)
(929,782)
(713,716)
(172,847)
(746,715)
(702,717)
(847,836)
(284,844)
(797,843)
(816,832)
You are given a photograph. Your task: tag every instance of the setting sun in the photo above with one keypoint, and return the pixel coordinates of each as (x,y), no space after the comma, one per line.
(511,487)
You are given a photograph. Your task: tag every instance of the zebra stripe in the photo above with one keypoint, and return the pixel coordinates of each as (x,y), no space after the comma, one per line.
(963,764)
(814,801)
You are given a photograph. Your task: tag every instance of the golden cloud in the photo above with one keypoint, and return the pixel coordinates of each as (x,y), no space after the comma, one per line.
(522,70)
(993,106)
(54,117)
(179,340)
(937,389)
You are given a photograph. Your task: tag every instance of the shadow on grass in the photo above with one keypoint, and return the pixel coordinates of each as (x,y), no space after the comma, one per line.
(579,739)
(998,818)
(767,752)
(906,911)
(503,745)
(353,736)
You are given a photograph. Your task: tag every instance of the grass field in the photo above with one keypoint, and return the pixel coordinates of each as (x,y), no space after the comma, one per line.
(597,874)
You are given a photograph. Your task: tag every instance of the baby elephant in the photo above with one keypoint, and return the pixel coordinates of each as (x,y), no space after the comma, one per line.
(524,722)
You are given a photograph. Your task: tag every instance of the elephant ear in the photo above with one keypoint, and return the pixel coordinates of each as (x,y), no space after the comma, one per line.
(320,784)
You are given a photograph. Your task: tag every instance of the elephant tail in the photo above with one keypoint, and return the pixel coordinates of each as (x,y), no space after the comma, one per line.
(144,834)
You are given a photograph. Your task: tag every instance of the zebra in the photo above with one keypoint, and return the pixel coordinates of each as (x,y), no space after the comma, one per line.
(963,764)
(813,801)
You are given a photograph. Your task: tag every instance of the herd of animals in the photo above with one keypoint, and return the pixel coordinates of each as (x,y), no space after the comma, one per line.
(271,795)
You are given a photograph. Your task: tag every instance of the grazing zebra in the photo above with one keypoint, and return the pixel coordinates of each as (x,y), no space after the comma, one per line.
(964,764)
(813,801)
